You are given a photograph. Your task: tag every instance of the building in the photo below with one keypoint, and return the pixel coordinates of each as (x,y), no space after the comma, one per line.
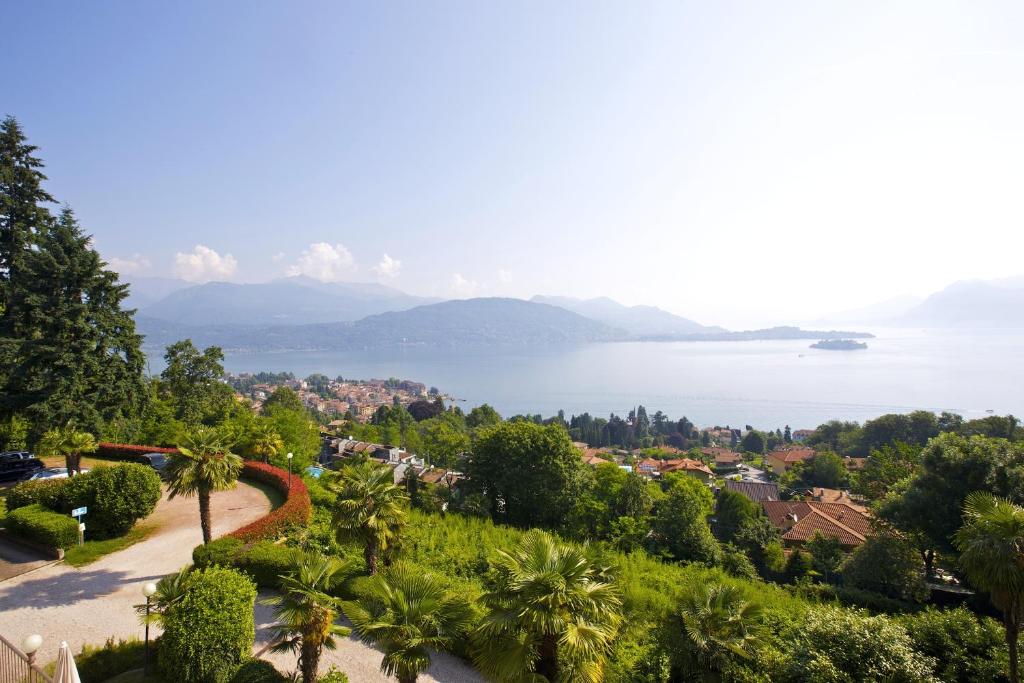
(725,460)
(756,491)
(800,520)
(689,466)
(779,461)
(801,435)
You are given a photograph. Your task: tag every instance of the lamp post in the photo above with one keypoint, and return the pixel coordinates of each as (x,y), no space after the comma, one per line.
(289,471)
(30,645)
(147,590)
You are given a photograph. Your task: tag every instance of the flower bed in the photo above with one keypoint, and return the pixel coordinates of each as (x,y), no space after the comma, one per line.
(105,449)
(295,510)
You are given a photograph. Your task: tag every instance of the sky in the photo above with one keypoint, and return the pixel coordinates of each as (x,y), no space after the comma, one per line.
(738,163)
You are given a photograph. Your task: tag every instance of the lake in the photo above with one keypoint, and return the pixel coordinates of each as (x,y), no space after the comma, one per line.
(766,384)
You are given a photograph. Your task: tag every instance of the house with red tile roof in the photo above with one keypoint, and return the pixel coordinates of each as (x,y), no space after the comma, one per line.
(800,520)
(726,460)
(689,466)
(780,460)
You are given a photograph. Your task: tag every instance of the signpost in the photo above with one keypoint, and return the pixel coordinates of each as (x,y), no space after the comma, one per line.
(78,513)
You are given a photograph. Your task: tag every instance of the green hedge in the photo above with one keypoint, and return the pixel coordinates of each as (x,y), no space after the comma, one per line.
(116,496)
(258,671)
(210,630)
(263,561)
(45,492)
(36,523)
(99,664)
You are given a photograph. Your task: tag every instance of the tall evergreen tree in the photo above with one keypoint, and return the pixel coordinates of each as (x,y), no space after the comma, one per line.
(69,354)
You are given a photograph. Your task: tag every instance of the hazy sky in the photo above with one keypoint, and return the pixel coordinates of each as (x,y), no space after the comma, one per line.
(737,163)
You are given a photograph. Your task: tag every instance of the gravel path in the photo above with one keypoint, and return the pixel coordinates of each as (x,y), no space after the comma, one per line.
(360,661)
(88,605)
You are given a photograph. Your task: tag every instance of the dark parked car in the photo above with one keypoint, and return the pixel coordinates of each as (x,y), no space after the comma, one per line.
(158,461)
(15,465)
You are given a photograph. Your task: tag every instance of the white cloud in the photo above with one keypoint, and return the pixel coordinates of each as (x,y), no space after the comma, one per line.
(324,262)
(462,287)
(278,257)
(388,267)
(203,264)
(504,276)
(128,266)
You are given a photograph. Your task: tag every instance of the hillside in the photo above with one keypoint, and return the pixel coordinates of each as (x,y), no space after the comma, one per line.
(970,304)
(290,301)
(637,320)
(488,322)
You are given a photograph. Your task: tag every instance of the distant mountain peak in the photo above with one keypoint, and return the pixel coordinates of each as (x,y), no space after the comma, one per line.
(637,320)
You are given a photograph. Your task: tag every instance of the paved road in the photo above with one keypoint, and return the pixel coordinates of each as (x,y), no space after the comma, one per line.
(90,604)
(16,559)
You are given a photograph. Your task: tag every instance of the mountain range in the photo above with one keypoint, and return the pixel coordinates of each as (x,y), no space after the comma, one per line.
(637,320)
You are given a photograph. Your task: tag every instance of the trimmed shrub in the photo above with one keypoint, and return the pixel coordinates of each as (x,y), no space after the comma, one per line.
(45,492)
(258,671)
(222,551)
(210,630)
(36,523)
(295,510)
(124,451)
(116,496)
(265,563)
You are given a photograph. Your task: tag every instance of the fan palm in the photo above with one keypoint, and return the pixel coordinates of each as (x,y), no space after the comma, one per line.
(548,605)
(370,509)
(719,624)
(202,465)
(408,613)
(169,590)
(306,611)
(991,545)
(70,443)
(267,443)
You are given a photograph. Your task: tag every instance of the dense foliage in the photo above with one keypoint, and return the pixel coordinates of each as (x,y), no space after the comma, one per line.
(294,511)
(43,526)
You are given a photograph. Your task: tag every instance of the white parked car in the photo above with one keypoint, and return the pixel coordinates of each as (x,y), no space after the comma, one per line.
(52,473)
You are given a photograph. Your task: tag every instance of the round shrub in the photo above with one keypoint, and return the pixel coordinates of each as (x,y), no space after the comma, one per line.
(265,562)
(222,551)
(45,492)
(258,671)
(36,523)
(116,496)
(210,630)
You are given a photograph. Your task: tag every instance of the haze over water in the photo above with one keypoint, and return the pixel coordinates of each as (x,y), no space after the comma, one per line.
(766,384)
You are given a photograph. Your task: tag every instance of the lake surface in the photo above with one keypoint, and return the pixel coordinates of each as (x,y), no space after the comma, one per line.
(766,384)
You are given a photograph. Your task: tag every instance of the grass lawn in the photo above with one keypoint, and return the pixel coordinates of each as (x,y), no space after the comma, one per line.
(90,551)
(88,462)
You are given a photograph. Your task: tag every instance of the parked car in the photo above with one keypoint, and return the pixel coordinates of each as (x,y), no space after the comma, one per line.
(52,473)
(15,465)
(158,461)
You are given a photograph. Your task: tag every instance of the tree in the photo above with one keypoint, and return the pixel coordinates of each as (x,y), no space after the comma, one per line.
(370,509)
(482,416)
(952,466)
(443,444)
(885,468)
(753,442)
(732,511)
(70,443)
(408,613)
(718,626)
(202,465)
(991,545)
(550,612)
(827,470)
(532,473)
(284,397)
(826,555)
(886,564)
(266,443)
(192,382)
(680,521)
(305,611)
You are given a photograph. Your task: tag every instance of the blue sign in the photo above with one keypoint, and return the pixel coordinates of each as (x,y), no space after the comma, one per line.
(78,512)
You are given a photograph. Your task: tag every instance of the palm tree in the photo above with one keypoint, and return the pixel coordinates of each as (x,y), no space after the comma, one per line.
(169,590)
(548,605)
(991,545)
(370,509)
(719,624)
(306,611)
(70,443)
(408,613)
(267,443)
(203,465)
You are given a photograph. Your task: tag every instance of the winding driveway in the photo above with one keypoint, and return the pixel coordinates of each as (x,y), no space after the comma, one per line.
(93,603)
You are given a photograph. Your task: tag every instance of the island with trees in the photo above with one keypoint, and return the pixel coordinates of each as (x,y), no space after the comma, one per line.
(839,345)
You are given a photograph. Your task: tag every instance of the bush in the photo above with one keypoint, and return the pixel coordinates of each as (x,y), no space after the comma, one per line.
(265,563)
(121,495)
(258,671)
(222,551)
(45,492)
(295,510)
(967,648)
(98,664)
(210,630)
(36,523)
(888,565)
(333,675)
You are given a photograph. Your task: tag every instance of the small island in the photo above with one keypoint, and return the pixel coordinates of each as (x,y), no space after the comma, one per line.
(839,345)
